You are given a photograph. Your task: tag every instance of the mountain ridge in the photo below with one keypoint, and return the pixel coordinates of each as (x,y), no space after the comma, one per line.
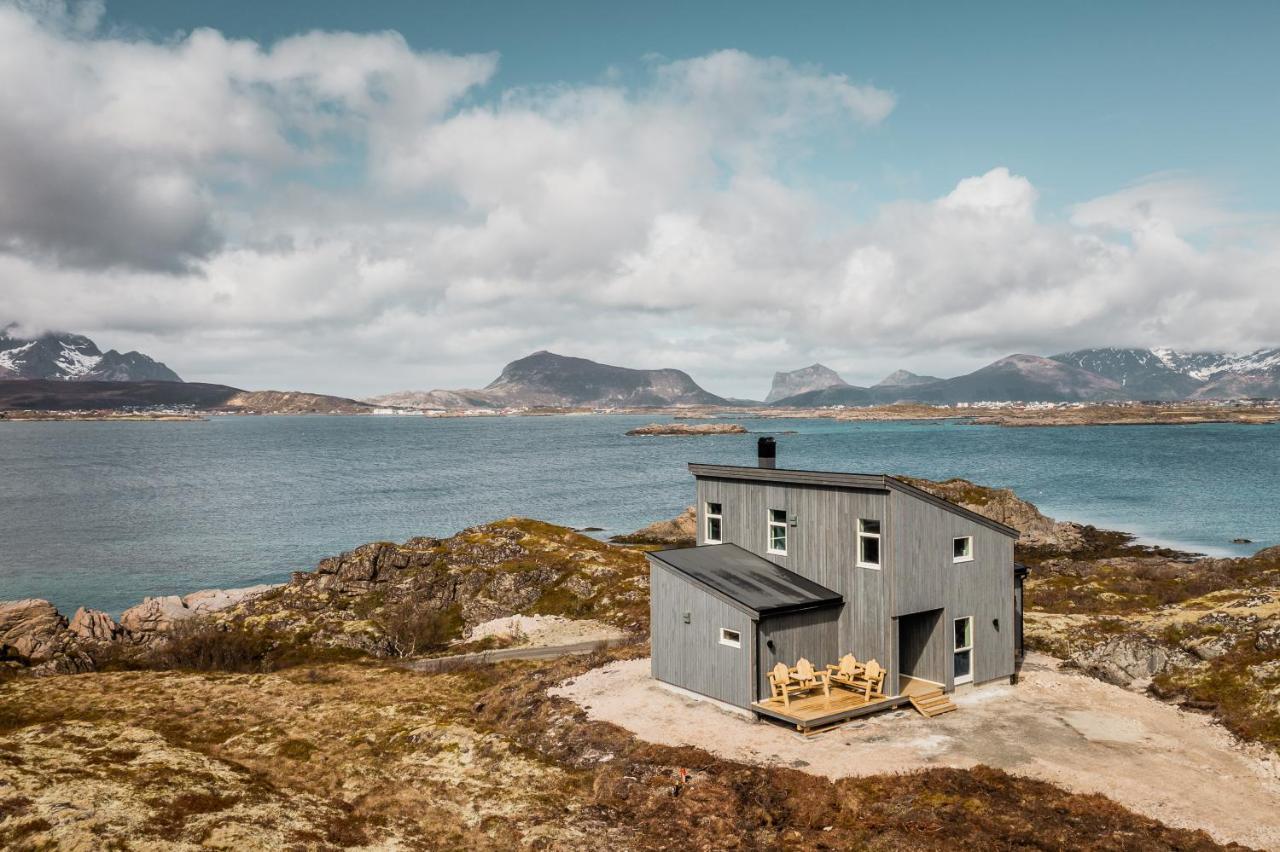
(63,356)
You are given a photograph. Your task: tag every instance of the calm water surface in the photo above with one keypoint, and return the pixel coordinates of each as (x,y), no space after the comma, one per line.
(102,514)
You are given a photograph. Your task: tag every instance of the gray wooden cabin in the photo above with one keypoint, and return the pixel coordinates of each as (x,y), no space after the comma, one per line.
(793,563)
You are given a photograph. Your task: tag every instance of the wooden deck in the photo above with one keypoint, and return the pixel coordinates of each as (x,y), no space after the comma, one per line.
(814,712)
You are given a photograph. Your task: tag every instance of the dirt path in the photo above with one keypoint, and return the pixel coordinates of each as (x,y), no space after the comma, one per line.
(1068,729)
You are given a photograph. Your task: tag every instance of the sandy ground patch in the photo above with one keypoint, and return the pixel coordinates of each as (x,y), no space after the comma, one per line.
(540,630)
(1080,733)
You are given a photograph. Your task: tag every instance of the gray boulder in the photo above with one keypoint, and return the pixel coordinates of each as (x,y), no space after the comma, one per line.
(1129,661)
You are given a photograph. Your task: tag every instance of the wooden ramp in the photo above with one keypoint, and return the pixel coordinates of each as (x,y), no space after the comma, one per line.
(931,702)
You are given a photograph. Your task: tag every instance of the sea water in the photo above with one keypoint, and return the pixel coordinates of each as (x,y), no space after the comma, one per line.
(102,514)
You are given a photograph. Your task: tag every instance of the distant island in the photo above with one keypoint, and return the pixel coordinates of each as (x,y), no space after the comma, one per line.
(676,429)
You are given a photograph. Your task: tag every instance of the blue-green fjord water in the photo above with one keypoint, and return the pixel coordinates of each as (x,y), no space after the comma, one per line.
(102,514)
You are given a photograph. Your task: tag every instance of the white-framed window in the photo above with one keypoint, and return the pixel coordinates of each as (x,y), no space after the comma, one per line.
(962,549)
(778,531)
(714,532)
(868,543)
(732,638)
(963,650)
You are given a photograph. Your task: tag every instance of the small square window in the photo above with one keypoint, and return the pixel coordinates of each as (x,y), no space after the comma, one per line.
(732,638)
(962,549)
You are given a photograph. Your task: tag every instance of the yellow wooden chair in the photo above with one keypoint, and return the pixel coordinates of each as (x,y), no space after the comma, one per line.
(846,672)
(811,678)
(782,685)
(871,682)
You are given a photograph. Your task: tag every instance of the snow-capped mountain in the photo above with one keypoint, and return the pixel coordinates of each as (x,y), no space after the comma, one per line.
(1169,374)
(74,357)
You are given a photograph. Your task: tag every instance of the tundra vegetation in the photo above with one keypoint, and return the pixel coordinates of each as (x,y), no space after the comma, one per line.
(281,719)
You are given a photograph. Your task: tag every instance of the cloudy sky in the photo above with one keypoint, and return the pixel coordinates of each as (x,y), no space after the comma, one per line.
(358,198)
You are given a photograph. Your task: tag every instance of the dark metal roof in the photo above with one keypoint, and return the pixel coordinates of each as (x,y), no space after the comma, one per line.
(753,583)
(862,481)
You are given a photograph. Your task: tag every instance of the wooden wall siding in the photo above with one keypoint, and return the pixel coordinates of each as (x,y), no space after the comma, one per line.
(690,655)
(821,546)
(926,578)
(922,650)
(814,635)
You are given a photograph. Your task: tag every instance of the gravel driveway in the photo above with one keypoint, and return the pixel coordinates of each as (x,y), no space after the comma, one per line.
(1072,730)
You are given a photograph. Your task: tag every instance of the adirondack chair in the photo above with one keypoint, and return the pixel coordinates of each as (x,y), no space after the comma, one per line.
(846,672)
(782,685)
(871,681)
(811,678)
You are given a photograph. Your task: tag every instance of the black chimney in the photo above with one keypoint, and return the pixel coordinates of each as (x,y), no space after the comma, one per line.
(768,451)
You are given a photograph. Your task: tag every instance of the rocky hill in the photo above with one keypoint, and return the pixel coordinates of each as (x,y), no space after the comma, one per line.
(56,395)
(60,356)
(905,379)
(811,378)
(545,379)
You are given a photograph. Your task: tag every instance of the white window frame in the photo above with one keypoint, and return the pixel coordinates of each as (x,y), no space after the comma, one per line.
(969,677)
(879,545)
(769,532)
(966,558)
(725,640)
(706,523)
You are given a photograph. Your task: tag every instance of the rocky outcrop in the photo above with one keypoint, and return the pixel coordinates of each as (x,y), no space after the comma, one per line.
(154,616)
(678,429)
(680,531)
(215,600)
(517,566)
(1129,661)
(812,378)
(1001,504)
(93,625)
(31,628)
(36,634)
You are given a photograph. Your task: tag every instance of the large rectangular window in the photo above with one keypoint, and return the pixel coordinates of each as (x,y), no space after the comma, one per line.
(715,524)
(868,543)
(962,549)
(963,648)
(778,531)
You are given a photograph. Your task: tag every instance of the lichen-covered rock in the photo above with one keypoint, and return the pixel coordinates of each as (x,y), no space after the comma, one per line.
(93,625)
(680,531)
(1003,506)
(1268,639)
(1209,647)
(31,628)
(1129,661)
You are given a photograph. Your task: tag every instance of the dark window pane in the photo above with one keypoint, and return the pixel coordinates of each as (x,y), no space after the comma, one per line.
(713,528)
(871,551)
(871,526)
(962,664)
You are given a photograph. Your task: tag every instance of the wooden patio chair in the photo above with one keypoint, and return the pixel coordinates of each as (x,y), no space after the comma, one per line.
(846,672)
(811,678)
(783,685)
(871,681)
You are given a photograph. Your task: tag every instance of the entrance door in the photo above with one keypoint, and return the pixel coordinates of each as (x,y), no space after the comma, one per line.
(922,650)
(962,666)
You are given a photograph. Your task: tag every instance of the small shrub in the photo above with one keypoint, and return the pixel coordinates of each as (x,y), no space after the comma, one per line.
(201,646)
(412,626)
